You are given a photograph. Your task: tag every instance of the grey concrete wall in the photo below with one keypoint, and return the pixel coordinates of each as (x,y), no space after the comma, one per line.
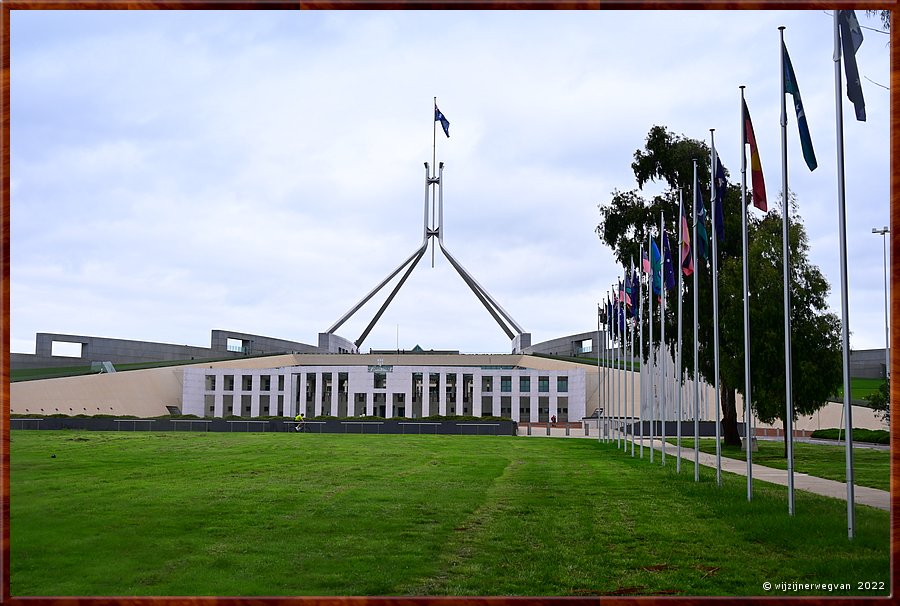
(258,344)
(867,363)
(125,351)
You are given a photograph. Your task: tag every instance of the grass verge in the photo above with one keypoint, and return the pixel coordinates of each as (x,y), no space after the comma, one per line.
(319,514)
(871,467)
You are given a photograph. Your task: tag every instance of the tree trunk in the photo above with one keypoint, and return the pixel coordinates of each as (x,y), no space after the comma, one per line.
(729,416)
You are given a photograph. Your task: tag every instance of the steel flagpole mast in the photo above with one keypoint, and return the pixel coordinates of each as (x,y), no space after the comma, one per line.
(618,343)
(662,336)
(599,384)
(713,159)
(640,319)
(633,315)
(605,385)
(650,379)
(785,231)
(845,313)
(678,374)
(746,283)
(696,323)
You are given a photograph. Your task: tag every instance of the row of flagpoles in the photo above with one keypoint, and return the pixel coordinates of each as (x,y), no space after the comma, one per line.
(620,315)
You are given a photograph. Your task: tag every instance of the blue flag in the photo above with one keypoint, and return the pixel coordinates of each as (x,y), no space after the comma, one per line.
(439,117)
(657,268)
(721,185)
(667,263)
(790,86)
(851,39)
(702,242)
(635,288)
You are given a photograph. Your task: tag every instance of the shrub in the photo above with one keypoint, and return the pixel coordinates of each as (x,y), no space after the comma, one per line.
(872,436)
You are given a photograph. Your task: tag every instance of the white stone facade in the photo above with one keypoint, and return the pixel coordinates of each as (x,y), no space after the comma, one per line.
(517,393)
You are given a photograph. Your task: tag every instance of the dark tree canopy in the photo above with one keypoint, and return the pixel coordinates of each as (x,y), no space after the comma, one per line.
(629,217)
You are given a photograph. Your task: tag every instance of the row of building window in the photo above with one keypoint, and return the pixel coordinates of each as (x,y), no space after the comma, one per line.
(241,406)
(380,382)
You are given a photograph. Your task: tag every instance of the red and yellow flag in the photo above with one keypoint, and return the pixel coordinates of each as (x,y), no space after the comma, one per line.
(756,174)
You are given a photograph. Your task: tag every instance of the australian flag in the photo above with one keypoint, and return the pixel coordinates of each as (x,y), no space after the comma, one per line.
(439,117)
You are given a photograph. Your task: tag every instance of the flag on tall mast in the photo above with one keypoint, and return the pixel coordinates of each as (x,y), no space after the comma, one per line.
(748,437)
(718,186)
(699,220)
(847,37)
(786,271)
(756,174)
(851,38)
(439,117)
(791,86)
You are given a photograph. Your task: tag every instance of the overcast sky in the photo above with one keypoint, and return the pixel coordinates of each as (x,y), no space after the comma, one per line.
(177,172)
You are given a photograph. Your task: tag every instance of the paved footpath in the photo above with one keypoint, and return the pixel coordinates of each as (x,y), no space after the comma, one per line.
(862,495)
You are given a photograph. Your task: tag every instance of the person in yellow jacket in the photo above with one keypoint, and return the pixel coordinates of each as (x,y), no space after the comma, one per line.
(301,422)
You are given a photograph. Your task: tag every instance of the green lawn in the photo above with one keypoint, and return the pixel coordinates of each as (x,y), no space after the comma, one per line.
(318,514)
(871,467)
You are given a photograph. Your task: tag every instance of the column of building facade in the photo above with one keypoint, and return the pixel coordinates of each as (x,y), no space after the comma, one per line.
(317,396)
(476,393)
(460,391)
(495,393)
(335,387)
(553,394)
(442,389)
(218,397)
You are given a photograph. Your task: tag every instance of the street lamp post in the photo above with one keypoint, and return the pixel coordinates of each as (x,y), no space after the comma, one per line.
(887,355)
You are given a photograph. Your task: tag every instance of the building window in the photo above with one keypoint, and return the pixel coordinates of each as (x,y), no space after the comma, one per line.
(451,391)
(263,406)
(544,384)
(280,382)
(505,384)
(247,383)
(487,384)
(265,382)
(210,402)
(506,407)
(210,382)
(229,382)
(228,406)
(380,379)
(245,406)
(487,406)
(525,384)
(524,408)
(562,384)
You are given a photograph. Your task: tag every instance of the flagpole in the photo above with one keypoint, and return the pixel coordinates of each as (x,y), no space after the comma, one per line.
(786,271)
(715,284)
(623,339)
(744,253)
(599,399)
(662,336)
(696,323)
(633,315)
(619,402)
(433,169)
(650,378)
(845,321)
(605,383)
(640,320)
(678,373)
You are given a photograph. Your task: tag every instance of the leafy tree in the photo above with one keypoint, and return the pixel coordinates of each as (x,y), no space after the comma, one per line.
(881,400)
(625,224)
(816,370)
(885,17)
